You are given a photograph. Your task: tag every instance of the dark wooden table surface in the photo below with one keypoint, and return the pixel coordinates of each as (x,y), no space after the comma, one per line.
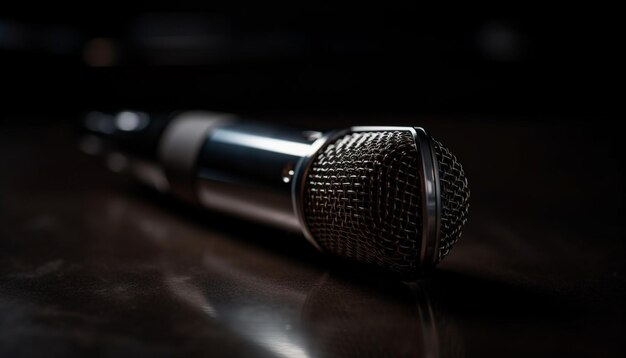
(92,265)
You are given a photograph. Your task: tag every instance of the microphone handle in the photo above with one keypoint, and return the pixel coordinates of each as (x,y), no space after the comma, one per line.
(217,160)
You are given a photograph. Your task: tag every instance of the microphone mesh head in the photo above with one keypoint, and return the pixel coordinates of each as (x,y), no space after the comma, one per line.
(454,198)
(363,201)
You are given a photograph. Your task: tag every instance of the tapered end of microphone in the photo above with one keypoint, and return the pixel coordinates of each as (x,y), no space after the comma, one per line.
(391,198)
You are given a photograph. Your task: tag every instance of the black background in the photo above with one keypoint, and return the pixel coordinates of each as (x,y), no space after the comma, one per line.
(461,60)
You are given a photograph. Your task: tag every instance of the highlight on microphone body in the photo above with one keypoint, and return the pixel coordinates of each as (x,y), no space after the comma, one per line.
(390,197)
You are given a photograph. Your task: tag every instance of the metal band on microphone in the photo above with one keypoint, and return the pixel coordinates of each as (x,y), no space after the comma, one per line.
(180,145)
(431,198)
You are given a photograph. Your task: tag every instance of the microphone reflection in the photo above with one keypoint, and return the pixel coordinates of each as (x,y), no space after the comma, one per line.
(231,293)
(333,316)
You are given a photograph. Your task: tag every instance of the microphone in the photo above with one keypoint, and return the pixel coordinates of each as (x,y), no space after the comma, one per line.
(389,197)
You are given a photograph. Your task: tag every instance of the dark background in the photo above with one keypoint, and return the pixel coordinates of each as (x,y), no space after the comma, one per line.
(461,60)
(526,97)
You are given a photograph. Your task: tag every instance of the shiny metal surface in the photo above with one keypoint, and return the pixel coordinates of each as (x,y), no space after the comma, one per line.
(91,265)
(431,199)
(247,169)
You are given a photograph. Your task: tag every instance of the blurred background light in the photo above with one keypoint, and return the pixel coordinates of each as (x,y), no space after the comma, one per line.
(100,52)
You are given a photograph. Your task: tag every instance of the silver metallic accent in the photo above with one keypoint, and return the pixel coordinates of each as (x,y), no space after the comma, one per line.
(246,168)
(431,198)
(180,145)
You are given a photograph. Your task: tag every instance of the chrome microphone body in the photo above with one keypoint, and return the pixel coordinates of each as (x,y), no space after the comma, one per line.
(391,197)
(236,166)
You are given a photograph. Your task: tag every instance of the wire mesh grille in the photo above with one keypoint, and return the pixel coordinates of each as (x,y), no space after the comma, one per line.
(363,200)
(454,199)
